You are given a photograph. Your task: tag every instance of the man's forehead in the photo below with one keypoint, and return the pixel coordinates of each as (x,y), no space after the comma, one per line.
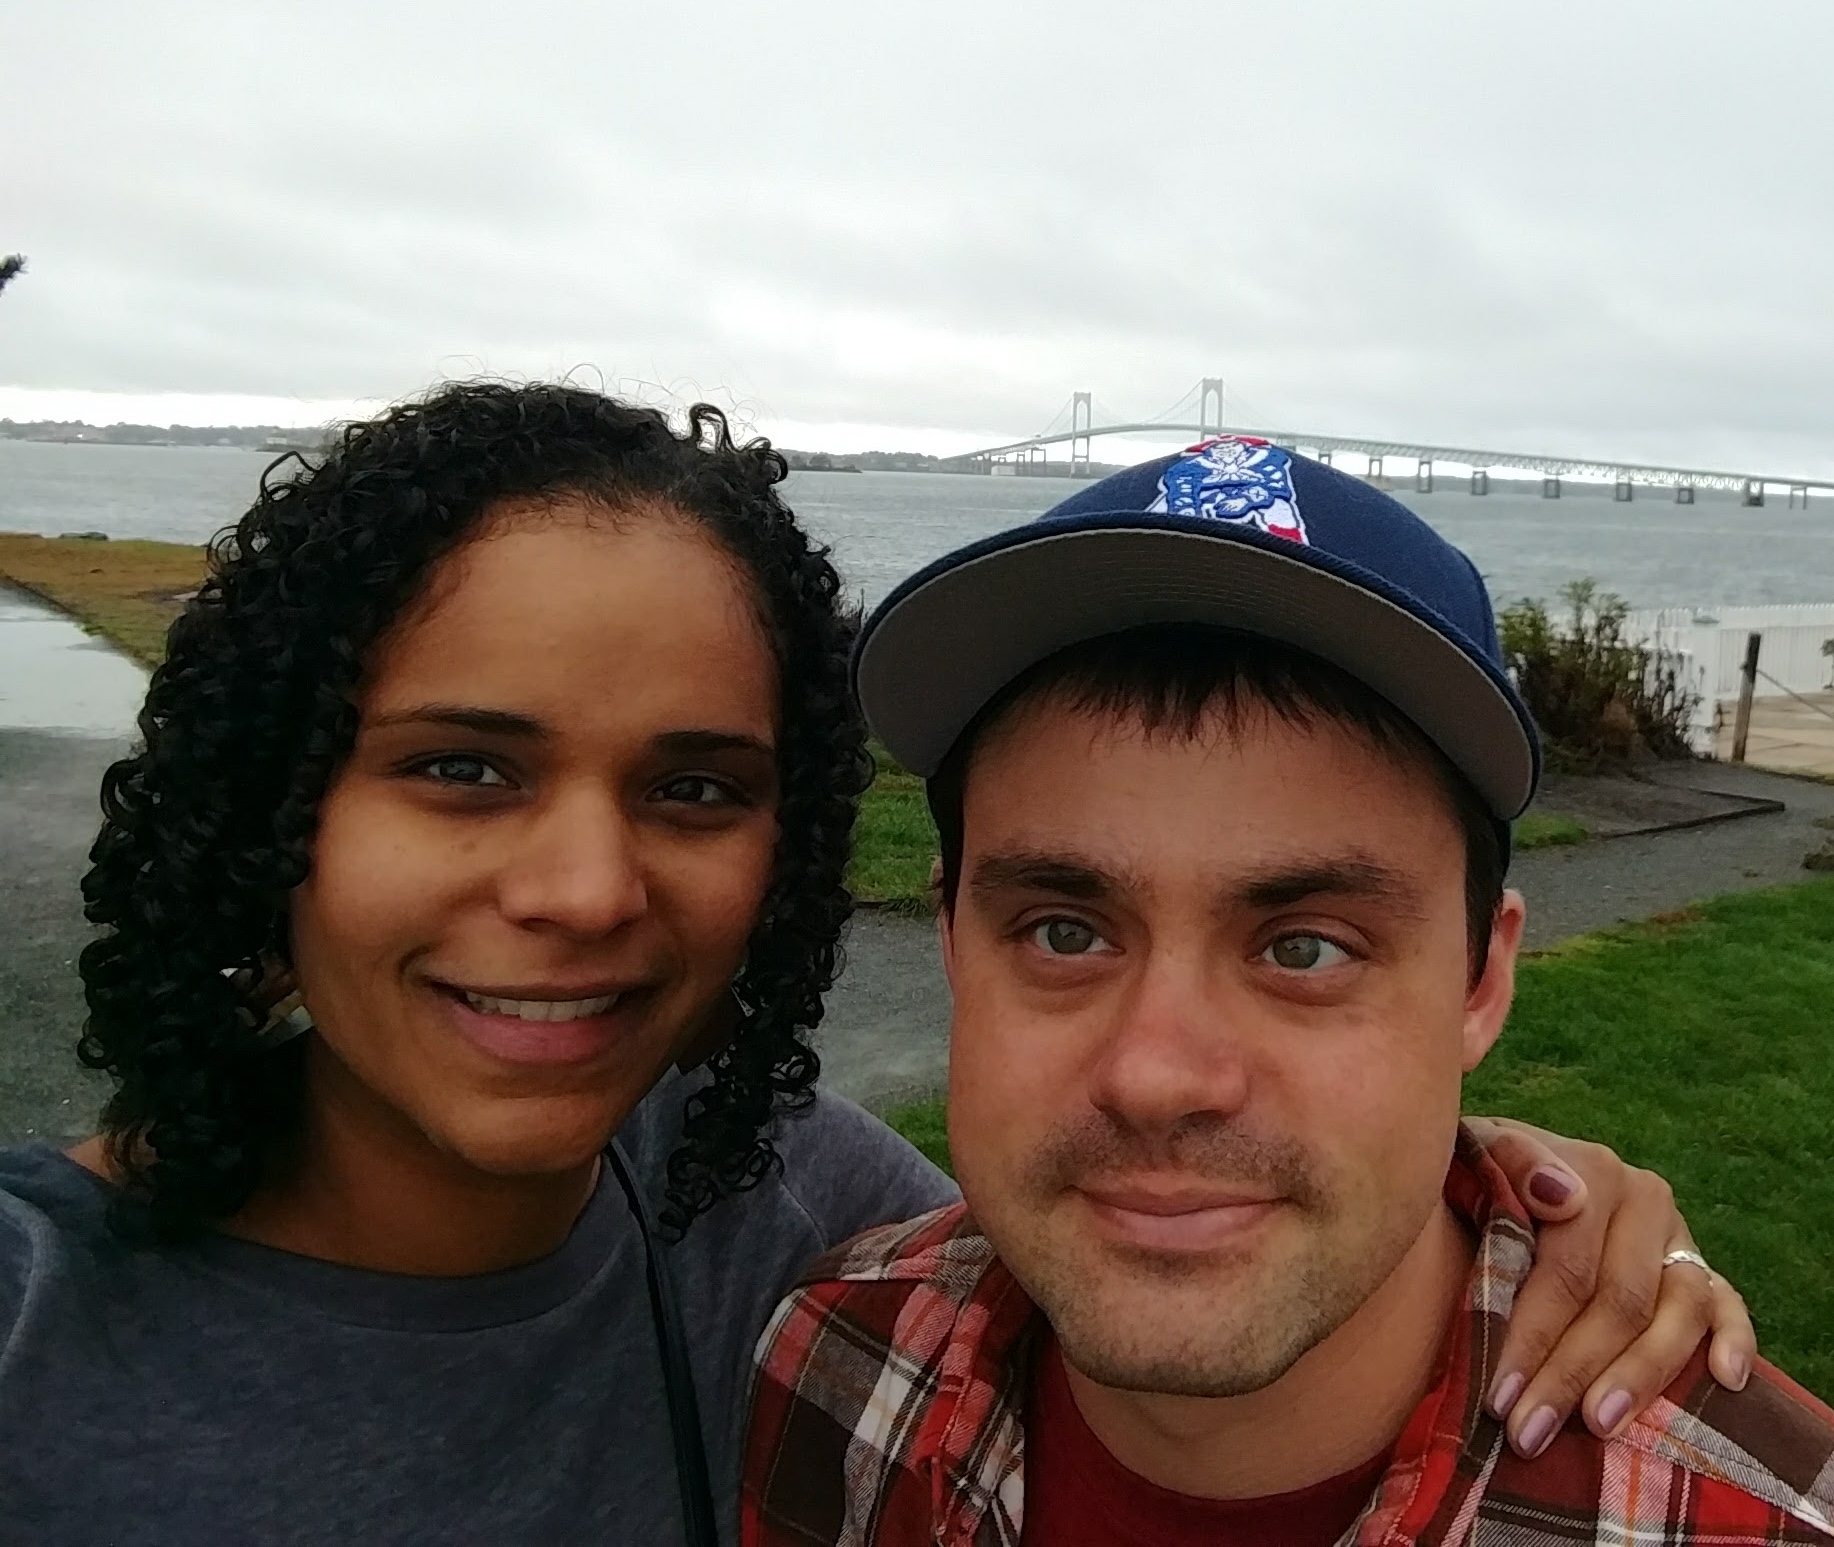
(1052,734)
(1236,798)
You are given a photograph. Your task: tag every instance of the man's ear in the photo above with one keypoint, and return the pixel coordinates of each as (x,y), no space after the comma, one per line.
(1487,1005)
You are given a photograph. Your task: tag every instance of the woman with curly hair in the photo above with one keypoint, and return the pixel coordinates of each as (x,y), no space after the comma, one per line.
(494,801)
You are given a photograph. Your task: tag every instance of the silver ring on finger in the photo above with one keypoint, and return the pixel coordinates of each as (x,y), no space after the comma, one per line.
(1682,1254)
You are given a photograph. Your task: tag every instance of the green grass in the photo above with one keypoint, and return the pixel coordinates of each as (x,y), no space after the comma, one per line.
(1701,1045)
(894,841)
(1538,831)
(126,591)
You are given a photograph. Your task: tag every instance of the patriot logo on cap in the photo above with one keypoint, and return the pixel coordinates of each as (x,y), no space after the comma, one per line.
(1233,478)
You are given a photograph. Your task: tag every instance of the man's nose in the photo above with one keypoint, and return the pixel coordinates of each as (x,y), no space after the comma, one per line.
(1173,1050)
(577,868)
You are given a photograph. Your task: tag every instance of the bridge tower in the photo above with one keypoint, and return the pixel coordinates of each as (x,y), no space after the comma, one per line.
(1212,387)
(1082,421)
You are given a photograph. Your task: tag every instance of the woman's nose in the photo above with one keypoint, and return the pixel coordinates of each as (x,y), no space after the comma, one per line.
(579,869)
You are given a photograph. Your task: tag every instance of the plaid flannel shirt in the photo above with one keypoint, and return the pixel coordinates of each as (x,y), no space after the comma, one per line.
(890,1396)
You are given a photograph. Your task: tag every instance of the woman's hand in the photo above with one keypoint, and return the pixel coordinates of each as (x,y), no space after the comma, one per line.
(1599,1323)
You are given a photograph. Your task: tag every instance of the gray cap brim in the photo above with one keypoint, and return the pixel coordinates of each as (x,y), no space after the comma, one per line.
(947,641)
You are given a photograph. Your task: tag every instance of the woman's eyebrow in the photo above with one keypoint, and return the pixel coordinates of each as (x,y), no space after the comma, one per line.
(690,743)
(486,722)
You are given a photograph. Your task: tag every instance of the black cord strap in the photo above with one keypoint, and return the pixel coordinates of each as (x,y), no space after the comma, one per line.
(677,1373)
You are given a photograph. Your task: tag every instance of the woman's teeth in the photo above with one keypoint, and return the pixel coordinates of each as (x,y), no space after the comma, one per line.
(541,1009)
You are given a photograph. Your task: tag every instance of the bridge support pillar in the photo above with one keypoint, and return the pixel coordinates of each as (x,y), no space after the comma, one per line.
(1212,387)
(1082,421)
(1324,455)
(1423,476)
(1550,488)
(1754,492)
(1623,491)
(1374,472)
(1684,494)
(1796,491)
(1480,480)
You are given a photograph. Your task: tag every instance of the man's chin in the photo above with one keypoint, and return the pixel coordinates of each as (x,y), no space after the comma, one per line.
(1221,1328)
(1178,1366)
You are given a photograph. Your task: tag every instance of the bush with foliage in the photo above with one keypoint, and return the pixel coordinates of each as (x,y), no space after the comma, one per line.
(1599,698)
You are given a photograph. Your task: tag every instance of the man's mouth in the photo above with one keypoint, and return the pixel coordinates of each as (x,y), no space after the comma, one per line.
(1179,1219)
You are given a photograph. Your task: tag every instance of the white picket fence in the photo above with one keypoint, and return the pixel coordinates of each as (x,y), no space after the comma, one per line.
(1709,647)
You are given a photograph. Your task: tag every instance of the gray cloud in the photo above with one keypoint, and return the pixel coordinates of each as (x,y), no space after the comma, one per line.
(1577,227)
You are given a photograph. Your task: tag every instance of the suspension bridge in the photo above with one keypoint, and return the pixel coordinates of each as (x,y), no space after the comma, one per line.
(1033,455)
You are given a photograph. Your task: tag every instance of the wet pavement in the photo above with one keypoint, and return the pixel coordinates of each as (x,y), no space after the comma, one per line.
(67,707)
(67,704)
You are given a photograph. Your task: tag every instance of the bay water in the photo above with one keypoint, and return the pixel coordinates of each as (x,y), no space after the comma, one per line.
(882,526)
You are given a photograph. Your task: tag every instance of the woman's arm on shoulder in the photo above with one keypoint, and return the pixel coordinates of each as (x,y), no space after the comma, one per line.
(1601,1323)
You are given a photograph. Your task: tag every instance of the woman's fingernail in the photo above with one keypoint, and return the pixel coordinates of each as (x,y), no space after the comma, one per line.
(1504,1393)
(1538,1432)
(1550,1187)
(1740,1371)
(1614,1410)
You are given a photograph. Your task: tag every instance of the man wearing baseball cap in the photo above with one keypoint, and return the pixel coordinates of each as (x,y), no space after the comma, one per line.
(1223,758)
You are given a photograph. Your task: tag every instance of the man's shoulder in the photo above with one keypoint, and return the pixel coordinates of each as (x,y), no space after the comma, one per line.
(1700,1464)
(899,1288)
(1772,1443)
(943,1250)
(894,1365)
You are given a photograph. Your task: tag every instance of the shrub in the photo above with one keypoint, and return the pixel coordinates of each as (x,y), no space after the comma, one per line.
(1599,699)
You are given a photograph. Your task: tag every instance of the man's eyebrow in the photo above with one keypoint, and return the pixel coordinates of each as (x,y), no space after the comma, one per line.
(1055,873)
(1357,878)
(465,717)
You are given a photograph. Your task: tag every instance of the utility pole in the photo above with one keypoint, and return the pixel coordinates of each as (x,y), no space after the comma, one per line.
(1747,689)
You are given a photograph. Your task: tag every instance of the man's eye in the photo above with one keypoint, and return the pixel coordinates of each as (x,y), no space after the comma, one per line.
(1305,953)
(696,790)
(1067,937)
(460,768)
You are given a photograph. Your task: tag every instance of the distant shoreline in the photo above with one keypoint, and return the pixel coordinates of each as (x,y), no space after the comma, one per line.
(280,439)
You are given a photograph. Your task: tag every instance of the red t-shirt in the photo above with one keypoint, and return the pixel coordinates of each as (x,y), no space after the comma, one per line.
(1078,1495)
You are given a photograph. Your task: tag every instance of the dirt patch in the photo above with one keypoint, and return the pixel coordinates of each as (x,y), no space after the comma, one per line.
(1614,806)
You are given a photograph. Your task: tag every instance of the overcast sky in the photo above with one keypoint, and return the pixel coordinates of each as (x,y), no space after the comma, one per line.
(1578,226)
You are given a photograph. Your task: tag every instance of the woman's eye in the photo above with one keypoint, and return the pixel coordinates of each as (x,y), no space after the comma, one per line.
(1305,953)
(460,768)
(696,790)
(1067,937)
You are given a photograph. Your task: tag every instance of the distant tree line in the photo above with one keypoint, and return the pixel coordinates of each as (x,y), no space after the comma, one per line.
(254,437)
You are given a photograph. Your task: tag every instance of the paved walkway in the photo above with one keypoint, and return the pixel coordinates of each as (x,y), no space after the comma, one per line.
(1793,733)
(886,1035)
(66,708)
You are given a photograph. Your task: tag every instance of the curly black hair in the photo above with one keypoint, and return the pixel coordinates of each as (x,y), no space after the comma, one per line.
(209,827)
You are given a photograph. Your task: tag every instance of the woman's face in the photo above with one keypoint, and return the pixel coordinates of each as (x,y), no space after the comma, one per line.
(536,874)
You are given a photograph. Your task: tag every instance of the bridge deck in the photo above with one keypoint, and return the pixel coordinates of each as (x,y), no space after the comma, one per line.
(1552,467)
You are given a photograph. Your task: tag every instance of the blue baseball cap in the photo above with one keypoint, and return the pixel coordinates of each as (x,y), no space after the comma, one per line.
(1237,533)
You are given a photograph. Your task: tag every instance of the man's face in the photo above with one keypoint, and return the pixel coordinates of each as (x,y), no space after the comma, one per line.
(1212,1010)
